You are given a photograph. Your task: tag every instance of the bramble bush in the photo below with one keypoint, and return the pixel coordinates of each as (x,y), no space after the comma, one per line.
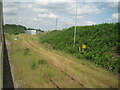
(101,40)
(26,51)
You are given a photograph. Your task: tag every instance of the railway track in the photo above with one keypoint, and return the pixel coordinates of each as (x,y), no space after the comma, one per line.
(52,81)
(62,71)
(72,78)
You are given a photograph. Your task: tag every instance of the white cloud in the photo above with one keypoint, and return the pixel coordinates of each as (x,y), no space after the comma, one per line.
(88,9)
(6,10)
(80,17)
(50,15)
(39,10)
(99,0)
(90,23)
(36,19)
(42,13)
(60,0)
(66,7)
(27,6)
(113,5)
(111,0)
(19,0)
(11,19)
(114,17)
(53,1)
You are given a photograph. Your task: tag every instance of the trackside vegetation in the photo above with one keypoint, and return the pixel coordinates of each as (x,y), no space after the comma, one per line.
(101,41)
(17,29)
(14,29)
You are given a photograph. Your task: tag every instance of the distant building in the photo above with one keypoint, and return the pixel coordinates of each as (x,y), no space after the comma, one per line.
(33,32)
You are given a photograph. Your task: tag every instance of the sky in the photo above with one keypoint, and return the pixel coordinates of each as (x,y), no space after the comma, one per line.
(42,14)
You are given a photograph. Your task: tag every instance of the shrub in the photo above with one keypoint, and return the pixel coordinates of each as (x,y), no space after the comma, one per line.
(42,61)
(100,40)
(33,65)
(27,51)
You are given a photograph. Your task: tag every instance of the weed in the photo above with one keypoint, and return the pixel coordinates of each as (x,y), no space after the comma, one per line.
(42,61)
(33,65)
(18,49)
(26,51)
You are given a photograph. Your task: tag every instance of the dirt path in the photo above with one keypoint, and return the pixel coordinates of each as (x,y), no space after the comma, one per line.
(82,74)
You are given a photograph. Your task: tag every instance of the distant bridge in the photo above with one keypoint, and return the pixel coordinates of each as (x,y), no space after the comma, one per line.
(6,81)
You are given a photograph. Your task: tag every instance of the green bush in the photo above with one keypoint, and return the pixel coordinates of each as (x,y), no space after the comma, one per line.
(33,65)
(101,40)
(42,61)
(26,51)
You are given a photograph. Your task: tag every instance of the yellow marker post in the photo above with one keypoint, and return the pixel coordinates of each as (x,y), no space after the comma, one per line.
(83,47)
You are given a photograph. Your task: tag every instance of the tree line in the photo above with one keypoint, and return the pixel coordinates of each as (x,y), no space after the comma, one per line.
(17,29)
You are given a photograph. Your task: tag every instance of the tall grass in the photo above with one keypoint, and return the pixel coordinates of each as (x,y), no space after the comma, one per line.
(39,62)
(26,51)
(42,61)
(33,65)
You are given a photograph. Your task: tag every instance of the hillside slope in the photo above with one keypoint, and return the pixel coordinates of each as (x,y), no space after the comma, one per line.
(35,66)
(101,41)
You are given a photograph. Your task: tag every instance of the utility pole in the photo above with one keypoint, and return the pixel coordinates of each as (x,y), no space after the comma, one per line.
(56,25)
(75,25)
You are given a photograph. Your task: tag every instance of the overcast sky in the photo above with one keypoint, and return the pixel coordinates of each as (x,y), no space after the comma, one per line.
(43,13)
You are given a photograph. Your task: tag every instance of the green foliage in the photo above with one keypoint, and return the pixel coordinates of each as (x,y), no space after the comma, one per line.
(33,65)
(42,61)
(35,29)
(101,40)
(14,29)
(39,62)
(26,51)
